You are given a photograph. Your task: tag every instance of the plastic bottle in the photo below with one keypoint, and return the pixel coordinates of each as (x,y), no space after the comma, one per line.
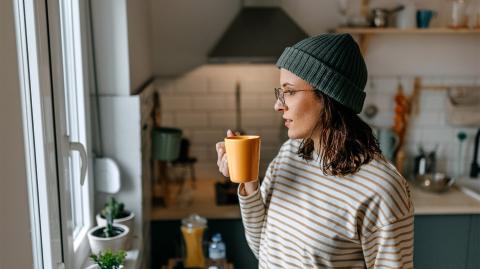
(217,253)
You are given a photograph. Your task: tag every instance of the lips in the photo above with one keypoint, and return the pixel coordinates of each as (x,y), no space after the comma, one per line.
(287,122)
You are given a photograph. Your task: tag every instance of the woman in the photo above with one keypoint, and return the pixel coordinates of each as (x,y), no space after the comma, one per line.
(329,199)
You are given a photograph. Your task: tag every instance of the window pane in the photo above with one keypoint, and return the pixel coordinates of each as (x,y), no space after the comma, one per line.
(75,108)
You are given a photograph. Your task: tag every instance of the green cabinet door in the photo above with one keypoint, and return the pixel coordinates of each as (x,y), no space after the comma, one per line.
(442,241)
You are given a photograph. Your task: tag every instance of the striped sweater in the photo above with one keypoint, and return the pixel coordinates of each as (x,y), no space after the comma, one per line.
(300,218)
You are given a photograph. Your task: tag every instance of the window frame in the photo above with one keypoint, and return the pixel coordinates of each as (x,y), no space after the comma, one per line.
(47,146)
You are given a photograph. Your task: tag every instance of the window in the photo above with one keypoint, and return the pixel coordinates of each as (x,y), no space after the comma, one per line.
(53,62)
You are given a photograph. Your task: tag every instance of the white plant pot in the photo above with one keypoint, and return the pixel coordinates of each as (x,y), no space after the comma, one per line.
(127,221)
(99,244)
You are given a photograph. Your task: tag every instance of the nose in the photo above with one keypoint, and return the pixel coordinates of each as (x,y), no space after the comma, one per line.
(278,106)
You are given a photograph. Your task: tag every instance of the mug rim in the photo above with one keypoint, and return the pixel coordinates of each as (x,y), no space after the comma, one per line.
(242,137)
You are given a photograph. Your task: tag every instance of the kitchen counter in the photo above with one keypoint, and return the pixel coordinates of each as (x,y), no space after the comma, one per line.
(450,203)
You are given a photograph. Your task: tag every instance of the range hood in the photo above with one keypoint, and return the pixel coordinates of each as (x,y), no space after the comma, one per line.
(256,35)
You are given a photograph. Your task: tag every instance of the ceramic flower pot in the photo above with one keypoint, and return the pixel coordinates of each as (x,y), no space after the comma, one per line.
(127,221)
(99,243)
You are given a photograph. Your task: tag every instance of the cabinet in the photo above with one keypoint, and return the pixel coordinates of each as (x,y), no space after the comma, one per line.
(441,241)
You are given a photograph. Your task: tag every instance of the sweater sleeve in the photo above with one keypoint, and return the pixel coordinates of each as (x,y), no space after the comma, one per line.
(390,246)
(253,209)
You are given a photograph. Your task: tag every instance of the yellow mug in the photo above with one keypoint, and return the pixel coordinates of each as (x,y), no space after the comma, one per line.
(243,157)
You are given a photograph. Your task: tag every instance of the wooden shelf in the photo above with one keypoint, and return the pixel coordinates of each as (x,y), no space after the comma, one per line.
(370,31)
(365,33)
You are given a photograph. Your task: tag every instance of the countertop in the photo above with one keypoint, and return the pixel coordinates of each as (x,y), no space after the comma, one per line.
(449,203)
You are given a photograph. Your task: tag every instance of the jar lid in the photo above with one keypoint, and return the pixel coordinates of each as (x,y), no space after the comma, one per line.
(194,221)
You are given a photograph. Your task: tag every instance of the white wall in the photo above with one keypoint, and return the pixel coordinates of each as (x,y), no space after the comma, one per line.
(122,45)
(184,31)
(14,223)
(201,103)
(139,42)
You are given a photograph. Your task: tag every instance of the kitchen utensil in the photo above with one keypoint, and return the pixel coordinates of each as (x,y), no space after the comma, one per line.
(424,16)
(460,160)
(425,162)
(434,182)
(379,16)
(406,18)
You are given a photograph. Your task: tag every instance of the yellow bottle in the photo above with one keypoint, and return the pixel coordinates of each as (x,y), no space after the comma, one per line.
(192,229)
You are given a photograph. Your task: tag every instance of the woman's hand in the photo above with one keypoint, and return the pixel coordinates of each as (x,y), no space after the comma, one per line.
(249,187)
(222,156)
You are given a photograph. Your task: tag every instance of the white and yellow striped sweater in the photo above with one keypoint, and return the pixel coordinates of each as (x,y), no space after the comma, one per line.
(301,218)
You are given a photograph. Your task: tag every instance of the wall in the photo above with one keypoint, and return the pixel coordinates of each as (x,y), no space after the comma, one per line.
(14,223)
(139,42)
(201,100)
(122,45)
(184,31)
(202,104)
(182,37)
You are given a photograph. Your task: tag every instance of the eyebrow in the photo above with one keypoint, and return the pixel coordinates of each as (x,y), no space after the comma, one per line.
(286,84)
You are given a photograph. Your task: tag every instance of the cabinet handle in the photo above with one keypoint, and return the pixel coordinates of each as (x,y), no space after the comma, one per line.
(77,146)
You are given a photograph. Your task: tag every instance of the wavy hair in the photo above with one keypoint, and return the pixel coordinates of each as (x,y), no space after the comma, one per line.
(346,141)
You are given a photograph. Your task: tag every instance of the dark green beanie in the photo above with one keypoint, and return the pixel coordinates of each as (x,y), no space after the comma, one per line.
(332,64)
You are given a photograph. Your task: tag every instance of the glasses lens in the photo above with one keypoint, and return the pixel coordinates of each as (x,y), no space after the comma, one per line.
(279,95)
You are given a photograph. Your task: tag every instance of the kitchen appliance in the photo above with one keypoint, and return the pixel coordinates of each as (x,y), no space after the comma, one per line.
(258,34)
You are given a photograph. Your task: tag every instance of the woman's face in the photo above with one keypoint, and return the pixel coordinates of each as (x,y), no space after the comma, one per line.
(302,109)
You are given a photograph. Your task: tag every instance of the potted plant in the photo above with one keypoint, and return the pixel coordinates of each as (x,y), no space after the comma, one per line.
(120,216)
(108,260)
(111,236)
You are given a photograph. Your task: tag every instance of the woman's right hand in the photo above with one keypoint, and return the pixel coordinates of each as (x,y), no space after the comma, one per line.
(222,156)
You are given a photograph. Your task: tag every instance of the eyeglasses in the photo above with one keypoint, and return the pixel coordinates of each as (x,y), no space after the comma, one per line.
(280,94)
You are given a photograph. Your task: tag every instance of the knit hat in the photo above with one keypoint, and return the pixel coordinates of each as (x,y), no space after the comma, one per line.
(332,64)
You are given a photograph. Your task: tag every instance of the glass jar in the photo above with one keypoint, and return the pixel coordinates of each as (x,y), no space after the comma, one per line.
(193,228)
(458,16)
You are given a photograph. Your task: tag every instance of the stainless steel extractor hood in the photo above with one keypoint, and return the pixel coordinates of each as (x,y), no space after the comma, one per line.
(256,35)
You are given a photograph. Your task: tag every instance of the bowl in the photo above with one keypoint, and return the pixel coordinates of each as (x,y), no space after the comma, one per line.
(435,182)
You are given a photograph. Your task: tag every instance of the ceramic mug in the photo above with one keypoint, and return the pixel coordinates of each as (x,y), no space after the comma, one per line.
(424,16)
(243,157)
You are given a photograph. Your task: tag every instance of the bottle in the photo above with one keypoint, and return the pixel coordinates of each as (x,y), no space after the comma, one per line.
(458,17)
(217,253)
(192,229)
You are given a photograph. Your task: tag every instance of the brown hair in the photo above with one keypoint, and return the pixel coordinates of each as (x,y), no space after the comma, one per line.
(346,141)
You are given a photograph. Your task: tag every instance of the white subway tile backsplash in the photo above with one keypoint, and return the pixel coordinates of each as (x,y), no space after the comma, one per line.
(214,102)
(191,85)
(175,103)
(191,119)
(259,86)
(208,137)
(220,119)
(216,85)
(167,119)
(202,103)
(261,119)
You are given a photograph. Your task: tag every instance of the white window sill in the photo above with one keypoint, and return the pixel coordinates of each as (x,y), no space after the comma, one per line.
(133,259)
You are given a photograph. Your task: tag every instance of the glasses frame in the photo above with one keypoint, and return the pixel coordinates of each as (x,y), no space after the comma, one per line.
(280,94)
